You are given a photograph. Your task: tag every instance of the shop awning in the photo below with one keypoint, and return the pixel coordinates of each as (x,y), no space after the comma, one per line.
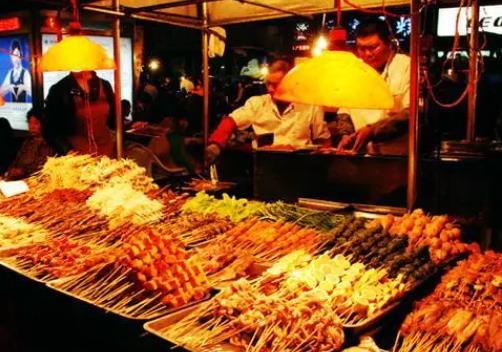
(221,12)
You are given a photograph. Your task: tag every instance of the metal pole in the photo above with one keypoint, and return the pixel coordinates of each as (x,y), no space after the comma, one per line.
(117,79)
(473,73)
(205,71)
(414,108)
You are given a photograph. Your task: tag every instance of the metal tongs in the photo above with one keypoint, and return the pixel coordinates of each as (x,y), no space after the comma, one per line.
(213,174)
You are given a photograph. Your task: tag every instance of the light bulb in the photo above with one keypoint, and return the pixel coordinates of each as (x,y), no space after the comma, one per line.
(154,64)
(320,45)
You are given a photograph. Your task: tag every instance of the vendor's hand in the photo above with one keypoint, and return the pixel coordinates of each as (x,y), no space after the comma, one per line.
(137,125)
(362,137)
(346,141)
(213,151)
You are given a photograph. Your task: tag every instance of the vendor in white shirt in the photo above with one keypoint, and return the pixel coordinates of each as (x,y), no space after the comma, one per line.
(374,47)
(284,123)
(16,86)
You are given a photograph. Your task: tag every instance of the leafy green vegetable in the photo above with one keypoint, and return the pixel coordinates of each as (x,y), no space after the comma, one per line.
(235,209)
(319,220)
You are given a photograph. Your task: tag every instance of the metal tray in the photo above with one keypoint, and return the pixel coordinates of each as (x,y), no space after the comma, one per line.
(53,285)
(363,210)
(9,251)
(252,272)
(322,205)
(155,327)
(357,329)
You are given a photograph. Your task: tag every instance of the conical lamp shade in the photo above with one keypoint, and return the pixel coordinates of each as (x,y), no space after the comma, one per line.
(335,79)
(76,53)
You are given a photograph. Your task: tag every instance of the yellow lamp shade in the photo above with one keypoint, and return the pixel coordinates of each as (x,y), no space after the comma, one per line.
(76,53)
(335,79)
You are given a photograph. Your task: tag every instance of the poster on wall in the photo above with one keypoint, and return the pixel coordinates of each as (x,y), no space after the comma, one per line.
(50,78)
(15,80)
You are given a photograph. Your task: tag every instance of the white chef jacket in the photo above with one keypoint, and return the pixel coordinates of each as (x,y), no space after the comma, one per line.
(397,76)
(298,125)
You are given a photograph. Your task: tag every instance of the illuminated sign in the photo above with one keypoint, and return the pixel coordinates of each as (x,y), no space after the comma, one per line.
(302,47)
(490,20)
(9,24)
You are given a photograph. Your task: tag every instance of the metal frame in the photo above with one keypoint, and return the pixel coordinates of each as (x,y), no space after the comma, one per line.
(151,13)
(473,72)
(411,194)
(117,80)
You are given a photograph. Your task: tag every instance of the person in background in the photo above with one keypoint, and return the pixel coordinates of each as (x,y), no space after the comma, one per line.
(79,113)
(274,122)
(7,150)
(374,46)
(186,85)
(126,109)
(16,86)
(33,152)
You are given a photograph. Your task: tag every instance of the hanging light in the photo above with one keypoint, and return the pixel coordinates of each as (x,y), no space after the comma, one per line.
(76,52)
(320,45)
(335,79)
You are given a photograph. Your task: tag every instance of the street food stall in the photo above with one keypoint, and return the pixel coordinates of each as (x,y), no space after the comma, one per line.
(206,273)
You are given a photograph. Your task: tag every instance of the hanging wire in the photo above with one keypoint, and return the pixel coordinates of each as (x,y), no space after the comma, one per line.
(456,44)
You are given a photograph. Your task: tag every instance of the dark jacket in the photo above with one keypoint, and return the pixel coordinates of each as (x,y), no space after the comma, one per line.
(59,121)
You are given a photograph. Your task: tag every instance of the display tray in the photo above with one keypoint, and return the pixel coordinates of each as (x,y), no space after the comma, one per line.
(10,251)
(142,318)
(253,271)
(323,205)
(364,210)
(357,329)
(155,327)
(220,186)
(288,149)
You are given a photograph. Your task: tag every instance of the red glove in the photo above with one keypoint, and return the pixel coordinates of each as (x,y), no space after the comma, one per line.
(223,132)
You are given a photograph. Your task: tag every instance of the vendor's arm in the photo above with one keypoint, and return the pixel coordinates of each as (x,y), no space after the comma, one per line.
(394,125)
(319,128)
(240,118)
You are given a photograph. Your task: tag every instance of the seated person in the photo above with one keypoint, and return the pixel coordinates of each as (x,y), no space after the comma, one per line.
(279,122)
(33,152)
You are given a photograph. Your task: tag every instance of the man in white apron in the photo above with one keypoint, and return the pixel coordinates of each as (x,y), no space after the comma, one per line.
(273,122)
